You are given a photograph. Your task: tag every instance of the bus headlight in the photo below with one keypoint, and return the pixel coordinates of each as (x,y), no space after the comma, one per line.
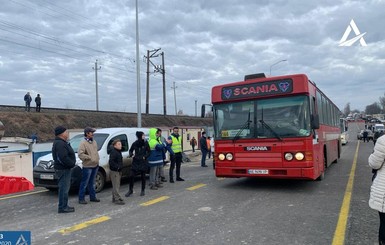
(299,156)
(221,156)
(288,156)
(229,156)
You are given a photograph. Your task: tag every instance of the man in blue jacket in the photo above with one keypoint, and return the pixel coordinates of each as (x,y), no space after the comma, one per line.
(64,160)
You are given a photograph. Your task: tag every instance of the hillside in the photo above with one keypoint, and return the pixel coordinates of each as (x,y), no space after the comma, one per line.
(18,123)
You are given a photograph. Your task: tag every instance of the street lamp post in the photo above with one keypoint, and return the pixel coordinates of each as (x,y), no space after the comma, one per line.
(139,107)
(276,64)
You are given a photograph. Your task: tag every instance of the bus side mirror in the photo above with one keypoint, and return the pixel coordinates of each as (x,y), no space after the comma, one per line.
(314,121)
(203,111)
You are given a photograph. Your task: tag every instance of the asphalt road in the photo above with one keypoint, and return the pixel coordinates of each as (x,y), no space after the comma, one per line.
(207,210)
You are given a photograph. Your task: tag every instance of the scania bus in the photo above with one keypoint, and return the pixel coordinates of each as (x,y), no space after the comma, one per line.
(275,127)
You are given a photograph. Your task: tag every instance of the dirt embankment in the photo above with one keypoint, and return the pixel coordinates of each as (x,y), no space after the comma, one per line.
(24,124)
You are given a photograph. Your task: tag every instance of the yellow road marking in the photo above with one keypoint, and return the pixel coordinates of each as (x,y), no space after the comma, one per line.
(84,225)
(195,187)
(156,200)
(339,234)
(24,194)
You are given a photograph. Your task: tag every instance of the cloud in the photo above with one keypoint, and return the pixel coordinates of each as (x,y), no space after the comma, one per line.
(50,48)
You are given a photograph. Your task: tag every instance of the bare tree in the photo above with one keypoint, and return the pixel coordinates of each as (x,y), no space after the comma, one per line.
(347,109)
(373,109)
(382,103)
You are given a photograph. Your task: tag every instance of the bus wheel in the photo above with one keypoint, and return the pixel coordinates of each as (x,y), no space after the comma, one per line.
(322,176)
(338,153)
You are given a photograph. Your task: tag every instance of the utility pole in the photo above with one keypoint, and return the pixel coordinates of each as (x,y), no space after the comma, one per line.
(174,87)
(164,85)
(148,83)
(196,108)
(96,68)
(139,108)
(156,69)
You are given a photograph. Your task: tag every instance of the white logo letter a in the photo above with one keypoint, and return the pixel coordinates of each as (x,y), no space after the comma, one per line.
(359,36)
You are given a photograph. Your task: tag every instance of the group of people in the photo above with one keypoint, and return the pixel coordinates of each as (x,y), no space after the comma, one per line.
(28,100)
(207,147)
(65,159)
(146,156)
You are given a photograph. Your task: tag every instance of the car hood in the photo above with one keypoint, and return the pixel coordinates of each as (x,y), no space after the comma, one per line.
(48,157)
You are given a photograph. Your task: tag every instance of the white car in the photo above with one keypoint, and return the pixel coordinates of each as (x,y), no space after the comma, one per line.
(44,173)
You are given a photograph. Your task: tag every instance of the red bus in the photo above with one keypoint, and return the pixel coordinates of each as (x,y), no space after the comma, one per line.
(276,127)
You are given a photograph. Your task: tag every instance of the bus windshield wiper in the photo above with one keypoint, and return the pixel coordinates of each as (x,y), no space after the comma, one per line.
(270,129)
(244,126)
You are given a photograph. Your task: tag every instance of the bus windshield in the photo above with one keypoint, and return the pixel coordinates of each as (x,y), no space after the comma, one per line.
(266,118)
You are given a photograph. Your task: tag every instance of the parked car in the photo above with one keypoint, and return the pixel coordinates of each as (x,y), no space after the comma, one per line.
(360,134)
(375,120)
(44,173)
(344,138)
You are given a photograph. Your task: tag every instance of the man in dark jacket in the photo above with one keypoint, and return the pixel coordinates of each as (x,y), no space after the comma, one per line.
(64,160)
(38,103)
(204,149)
(365,136)
(27,100)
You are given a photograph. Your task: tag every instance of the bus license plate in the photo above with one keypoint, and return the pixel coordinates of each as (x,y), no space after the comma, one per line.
(46,176)
(258,171)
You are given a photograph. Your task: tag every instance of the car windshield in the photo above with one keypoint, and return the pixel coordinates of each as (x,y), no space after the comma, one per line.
(75,141)
(269,118)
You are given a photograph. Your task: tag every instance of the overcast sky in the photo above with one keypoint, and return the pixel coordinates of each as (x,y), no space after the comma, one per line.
(49,47)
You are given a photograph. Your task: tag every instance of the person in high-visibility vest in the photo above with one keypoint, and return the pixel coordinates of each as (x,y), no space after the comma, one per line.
(176,158)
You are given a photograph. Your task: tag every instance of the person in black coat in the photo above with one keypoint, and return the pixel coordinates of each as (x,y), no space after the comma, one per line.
(38,103)
(64,160)
(116,165)
(140,151)
(204,149)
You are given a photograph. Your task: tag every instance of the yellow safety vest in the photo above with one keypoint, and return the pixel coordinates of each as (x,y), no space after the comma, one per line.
(176,144)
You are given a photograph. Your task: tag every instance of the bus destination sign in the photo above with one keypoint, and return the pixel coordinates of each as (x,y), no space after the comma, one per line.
(257,89)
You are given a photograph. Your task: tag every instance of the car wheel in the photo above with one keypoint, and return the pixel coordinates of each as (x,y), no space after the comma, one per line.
(100,181)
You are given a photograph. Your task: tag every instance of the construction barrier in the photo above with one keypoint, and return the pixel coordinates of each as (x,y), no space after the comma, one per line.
(11,184)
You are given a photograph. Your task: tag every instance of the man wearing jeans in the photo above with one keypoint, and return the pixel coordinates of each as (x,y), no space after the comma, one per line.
(88,153)
(64,160)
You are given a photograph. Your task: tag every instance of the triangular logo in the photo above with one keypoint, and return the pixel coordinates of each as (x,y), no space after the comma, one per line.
(21,241)
(359,36)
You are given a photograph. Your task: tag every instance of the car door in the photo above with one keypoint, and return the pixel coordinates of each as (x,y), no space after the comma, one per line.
(125,147)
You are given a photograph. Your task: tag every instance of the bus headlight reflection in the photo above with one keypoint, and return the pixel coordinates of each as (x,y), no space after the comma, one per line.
(299,156)
(288,156)
(221,156)
(229,156)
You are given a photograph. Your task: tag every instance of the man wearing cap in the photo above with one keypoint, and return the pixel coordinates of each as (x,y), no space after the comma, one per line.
(64,160)
(88,153)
